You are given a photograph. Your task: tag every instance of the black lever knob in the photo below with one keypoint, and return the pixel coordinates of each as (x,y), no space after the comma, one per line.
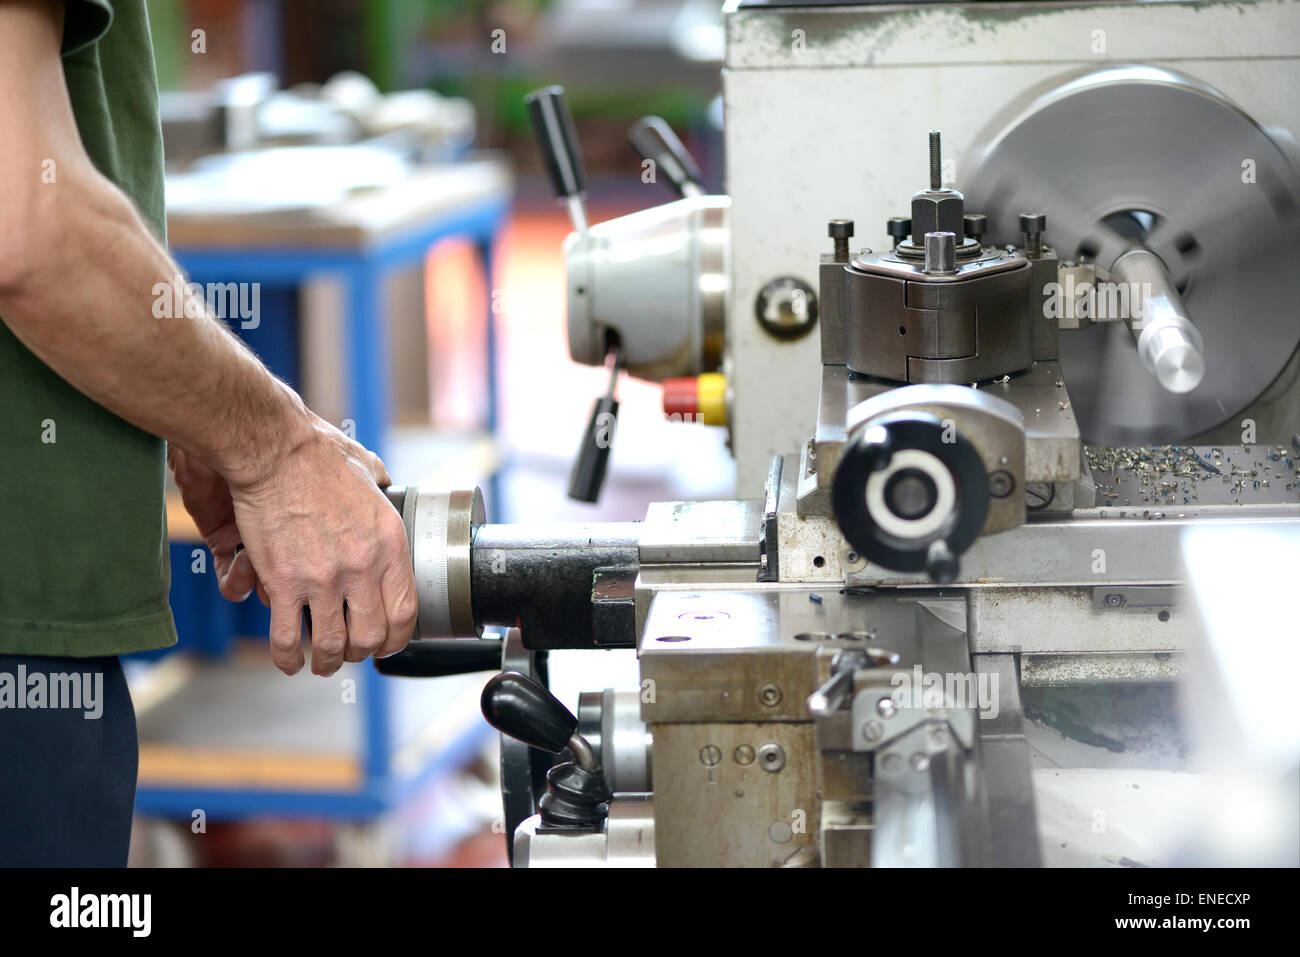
(553,127)
(437,657)
(524,710)
(577,794)
(589,468)
(654,140)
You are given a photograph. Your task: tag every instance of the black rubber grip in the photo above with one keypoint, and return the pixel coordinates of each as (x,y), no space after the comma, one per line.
(437,657)
(588,474)
(553,127)
(524,710)
(653,139)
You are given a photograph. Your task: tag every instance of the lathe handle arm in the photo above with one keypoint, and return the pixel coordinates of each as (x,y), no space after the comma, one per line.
(439,657)
(654,140)
(553,126)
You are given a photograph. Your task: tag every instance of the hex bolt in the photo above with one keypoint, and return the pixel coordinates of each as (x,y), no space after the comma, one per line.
(840,230)
(1033,225)
(940,253)
(936,166)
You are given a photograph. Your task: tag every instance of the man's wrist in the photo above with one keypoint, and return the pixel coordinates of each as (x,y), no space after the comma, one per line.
(260,446)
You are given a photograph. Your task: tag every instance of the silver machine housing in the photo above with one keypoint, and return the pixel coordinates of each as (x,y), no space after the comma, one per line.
(955,486)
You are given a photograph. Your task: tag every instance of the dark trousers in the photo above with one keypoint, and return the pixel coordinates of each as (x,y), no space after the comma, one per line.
(67,781)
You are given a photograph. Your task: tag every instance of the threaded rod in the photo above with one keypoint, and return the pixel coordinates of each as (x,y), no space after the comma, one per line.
(936,178)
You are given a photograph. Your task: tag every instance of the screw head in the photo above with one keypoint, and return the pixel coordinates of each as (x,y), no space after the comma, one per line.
(899,227)
(1001,484)
(840,228)
(770,695)
(710,755)
(976,224)
(771,757)
(786,307)
(1033,223)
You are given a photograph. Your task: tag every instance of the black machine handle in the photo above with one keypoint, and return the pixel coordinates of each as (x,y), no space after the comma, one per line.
(553,127)
(439,657)
(654,140)
(589,468)
(524,710)
(588,474)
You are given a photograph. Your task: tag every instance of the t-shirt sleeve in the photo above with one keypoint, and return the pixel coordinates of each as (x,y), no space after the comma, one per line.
(84,22)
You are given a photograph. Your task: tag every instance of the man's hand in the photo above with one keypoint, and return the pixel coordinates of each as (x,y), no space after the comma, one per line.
(207,498)
(260,468)
(317,531)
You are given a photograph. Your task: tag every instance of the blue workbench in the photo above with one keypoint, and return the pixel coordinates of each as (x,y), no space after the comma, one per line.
(358,242)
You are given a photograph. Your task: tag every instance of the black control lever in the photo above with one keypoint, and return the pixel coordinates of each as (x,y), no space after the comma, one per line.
(438,657)
(523,709)
(553,126)
(654,140)
(577,794)
(589,468)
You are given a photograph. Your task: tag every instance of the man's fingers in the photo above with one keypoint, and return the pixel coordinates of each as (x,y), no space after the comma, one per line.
(329,635)
(239,579)
(366,624)
(401,607)
(380,471)
(286,634)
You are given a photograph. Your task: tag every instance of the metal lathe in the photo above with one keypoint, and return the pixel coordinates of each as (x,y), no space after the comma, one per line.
(1000,316)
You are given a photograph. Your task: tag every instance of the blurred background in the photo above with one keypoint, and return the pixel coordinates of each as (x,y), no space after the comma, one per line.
(369,167)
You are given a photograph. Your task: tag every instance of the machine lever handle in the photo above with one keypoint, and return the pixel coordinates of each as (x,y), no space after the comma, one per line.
(654,140)
(438,657)
(589,468)
(527,712)
(553,126)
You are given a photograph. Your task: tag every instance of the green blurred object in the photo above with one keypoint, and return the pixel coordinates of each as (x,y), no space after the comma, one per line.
(167,28)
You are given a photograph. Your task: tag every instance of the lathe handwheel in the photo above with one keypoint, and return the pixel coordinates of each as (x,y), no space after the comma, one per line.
(911,494)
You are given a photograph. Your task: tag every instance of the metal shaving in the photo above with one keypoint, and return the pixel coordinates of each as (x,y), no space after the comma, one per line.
(1172,474)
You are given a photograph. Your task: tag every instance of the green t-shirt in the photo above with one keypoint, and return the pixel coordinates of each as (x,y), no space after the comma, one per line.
(84,565)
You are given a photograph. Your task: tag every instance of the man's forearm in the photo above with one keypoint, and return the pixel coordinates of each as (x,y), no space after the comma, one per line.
(87,311)
(79,276)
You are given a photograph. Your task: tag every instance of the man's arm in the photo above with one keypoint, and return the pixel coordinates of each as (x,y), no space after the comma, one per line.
(78,268)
